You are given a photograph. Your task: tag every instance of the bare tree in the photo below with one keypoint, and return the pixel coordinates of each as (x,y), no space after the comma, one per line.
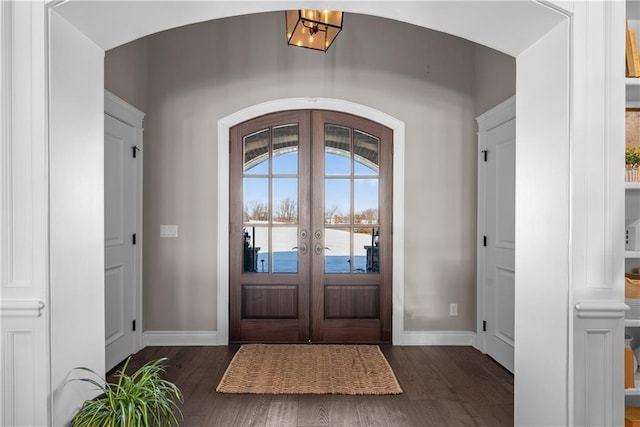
(367,216)
(332,215)
(287,210)
(256,211)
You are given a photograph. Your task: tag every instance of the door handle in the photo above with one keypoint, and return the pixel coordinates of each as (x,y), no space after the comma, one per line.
(302,248)
(318,248)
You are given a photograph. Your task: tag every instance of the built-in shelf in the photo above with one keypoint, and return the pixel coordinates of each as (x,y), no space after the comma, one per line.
(632,254)
(634,391)
(632,85)
(632,186)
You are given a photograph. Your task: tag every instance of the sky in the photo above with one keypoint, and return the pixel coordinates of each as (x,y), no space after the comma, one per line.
(336,189)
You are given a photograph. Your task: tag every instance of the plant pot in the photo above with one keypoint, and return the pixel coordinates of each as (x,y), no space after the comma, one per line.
(632,174)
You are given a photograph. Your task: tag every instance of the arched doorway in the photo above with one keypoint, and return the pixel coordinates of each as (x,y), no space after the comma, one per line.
(545,132)
(398,157)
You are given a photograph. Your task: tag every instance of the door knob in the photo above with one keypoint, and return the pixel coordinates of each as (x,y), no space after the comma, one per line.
(318,248)
(302,248)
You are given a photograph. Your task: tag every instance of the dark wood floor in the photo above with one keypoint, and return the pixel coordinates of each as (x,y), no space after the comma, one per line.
(443,386)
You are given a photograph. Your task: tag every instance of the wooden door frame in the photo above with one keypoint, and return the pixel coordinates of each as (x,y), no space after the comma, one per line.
(397,126)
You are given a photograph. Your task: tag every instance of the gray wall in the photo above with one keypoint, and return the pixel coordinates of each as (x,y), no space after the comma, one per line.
(495,78)
(197,74)
(125,72)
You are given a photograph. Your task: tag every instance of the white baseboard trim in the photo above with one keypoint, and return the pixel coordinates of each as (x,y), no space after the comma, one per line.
(186,338)
(467,338)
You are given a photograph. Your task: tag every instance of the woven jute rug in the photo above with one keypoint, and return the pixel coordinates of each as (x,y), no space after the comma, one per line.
(309,369)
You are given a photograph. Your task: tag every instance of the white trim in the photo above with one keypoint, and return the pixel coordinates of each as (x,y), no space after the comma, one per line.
(601,309)
(497,115)
(119,109)
(180,338)
(226,123)
(194,338)
(21,308)
(462,338)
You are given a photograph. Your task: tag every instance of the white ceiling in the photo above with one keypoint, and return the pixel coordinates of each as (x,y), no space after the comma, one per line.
(507,26)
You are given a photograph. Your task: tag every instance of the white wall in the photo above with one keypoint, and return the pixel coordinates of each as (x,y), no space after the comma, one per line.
(76,214)
(542,216)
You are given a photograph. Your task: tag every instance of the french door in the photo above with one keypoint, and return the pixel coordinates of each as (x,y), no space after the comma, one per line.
(310,229)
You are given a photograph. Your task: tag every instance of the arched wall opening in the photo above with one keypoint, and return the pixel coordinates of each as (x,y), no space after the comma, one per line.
(226,123)
(532,32)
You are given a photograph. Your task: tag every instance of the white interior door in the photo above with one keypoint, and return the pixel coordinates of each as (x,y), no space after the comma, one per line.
(496,255)
(119,240)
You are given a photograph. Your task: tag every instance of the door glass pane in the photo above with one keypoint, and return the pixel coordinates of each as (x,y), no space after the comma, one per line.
(337,201)
(256,153)
(336,253)
(365,154)
(285,252)
(285,149)
(365,250)
(256,250)
(285,200)
(365,201)
(337,149)
(256,199)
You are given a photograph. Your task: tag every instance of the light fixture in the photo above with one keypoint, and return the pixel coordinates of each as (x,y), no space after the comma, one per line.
(313,29)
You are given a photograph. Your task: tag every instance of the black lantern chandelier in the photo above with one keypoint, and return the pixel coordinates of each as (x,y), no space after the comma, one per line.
(313,29)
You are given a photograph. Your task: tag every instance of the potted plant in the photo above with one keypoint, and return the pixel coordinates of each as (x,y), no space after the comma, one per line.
(632,164)
(140,399)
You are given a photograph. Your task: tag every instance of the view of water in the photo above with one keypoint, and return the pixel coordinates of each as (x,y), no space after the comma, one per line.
(287,262)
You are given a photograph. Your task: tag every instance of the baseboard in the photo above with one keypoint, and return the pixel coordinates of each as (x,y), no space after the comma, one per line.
(467,338)
(186,338)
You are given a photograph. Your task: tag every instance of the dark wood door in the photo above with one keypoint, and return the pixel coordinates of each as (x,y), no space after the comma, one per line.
(310,233)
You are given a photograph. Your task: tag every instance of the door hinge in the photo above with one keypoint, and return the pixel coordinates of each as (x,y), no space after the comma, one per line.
(134,149)
(484,240)
(484,326)
(134,325)
(484,154)
(133,239)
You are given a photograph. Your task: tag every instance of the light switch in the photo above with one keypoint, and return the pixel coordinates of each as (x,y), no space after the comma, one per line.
(168,231)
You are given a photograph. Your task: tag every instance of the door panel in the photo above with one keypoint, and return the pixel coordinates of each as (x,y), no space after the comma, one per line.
(269,234)
(310,218)
(119,226)
(500,250)
(351,183)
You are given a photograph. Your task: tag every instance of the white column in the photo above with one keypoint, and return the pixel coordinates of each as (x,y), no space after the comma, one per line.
(76,190)
(24,310)
(597,213)
(542,231)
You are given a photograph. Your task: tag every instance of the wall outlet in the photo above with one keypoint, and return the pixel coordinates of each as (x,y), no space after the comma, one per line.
(453,309)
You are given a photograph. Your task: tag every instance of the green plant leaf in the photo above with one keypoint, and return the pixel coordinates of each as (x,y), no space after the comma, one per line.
(142,398)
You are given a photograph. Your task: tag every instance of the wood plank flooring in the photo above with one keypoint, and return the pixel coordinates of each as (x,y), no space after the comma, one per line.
(443,386)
